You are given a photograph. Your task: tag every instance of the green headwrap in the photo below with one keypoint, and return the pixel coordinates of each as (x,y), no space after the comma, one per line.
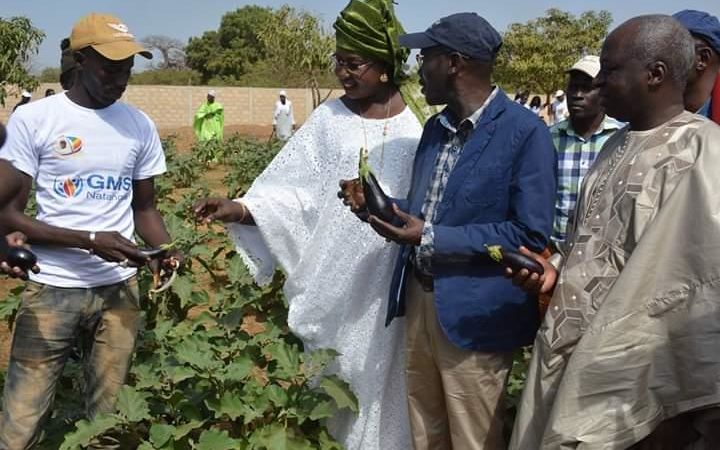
(370,28)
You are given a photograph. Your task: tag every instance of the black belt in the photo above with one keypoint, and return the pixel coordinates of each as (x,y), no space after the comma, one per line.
(425,280)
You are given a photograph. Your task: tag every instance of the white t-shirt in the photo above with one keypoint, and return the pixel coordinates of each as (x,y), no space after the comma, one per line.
(560,110)
(83,162)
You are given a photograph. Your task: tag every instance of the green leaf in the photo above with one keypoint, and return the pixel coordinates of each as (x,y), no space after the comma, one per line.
(182,430)
(197,352)
(230,404)
(277,395)
(183,287)
(277,437)
(316,361)
(287,358)
(177,374)
(132,404)
(239,369)
(328,443)
(161,433)
(145,376)
(322,410)
(340,391)
(144,445)
(237,272)
(217,440)
(85,432)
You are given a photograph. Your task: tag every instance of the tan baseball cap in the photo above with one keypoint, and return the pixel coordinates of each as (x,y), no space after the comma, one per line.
(589,65)
(108,35)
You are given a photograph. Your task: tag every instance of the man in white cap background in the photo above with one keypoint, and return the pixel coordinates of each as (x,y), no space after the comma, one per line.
(25,98)
(558,108)
(283,118)
(93,160)
(209,119)
(578,139)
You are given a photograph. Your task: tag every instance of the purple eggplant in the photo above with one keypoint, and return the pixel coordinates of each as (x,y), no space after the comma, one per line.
(514,260)
(21,257)
(377,202)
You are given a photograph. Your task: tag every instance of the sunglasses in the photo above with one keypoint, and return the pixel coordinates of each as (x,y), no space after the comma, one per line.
(354,66)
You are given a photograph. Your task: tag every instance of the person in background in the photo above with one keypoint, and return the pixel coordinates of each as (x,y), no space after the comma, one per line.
(627,355)
(558,108)
(93,161)
(578,139)
(705,30)
(522,98)
(283,118)
(209,119)
(25,98)
(536,105)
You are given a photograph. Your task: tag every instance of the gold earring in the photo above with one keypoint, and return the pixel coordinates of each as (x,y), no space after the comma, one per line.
(384,78)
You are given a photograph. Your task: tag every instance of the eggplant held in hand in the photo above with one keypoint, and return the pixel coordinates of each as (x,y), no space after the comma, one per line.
(21,257)
(377,203)
(514,260)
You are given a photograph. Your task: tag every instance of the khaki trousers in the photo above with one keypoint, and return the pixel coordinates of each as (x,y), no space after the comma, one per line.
(455,396)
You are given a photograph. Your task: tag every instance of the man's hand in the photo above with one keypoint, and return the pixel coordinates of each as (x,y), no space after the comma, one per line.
(16,239)
(410,233)
(351,194)
(112,246)
(534,283)
(221,209)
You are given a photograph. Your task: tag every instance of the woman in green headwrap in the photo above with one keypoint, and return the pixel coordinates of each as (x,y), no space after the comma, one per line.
(338,269)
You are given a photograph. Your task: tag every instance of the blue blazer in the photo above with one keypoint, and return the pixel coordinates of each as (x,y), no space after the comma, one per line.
(501,191)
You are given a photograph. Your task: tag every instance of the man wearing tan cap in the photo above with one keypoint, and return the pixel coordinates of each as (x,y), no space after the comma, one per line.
(578,139)
(93,160)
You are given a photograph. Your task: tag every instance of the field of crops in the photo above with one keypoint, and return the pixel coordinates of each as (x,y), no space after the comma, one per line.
(215,367)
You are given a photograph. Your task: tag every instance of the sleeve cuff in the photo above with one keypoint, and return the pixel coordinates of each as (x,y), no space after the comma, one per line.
(426,248)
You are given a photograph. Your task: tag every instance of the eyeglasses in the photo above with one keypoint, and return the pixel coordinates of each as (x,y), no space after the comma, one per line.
(420,58)
(354,66)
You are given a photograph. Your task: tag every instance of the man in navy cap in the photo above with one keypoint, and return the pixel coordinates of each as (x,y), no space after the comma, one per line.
(484,174)
(705,29)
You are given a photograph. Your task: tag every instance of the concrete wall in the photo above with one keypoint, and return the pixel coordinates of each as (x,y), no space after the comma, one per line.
(175,106)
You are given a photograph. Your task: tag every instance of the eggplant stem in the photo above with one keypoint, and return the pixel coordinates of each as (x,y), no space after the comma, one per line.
(495,252)
(164,287)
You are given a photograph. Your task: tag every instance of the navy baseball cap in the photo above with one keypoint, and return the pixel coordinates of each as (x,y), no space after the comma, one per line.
(466,33)
(701,24)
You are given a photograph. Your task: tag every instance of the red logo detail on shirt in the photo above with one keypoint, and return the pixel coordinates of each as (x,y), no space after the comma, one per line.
(68,145)
(69,187)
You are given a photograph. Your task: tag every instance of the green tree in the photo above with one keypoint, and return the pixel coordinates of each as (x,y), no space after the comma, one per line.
(298,46)
(173,77)
(535,55)
(229,52)
(49,75)
(19,40)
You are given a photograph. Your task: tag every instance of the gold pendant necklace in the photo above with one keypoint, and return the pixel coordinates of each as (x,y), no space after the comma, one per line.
(384,134)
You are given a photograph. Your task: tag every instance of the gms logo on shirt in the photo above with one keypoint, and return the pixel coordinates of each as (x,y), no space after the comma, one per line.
(67,145)
(94,187)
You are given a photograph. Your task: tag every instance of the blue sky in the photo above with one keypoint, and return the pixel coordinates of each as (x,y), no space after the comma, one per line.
(183,19)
